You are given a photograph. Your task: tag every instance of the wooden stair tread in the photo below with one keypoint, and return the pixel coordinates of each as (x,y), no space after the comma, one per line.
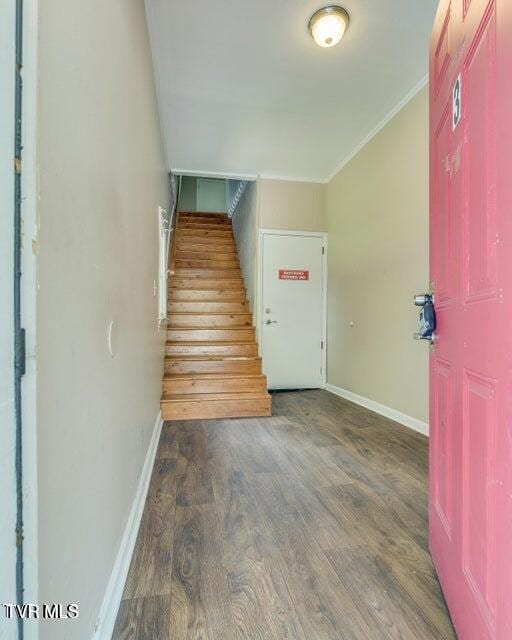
(208,253)
(203,295)
(207,301)
(192,230)
(208,247)
(214,306)
(219,288)
(229,327)
(205,343)
(220,282)
(201,397)
(192,357)
(205,263)
(211,313)
(186,219)
(214,299)
(223,226)
(212,376)
(205,214)
(184,273)
(199,285)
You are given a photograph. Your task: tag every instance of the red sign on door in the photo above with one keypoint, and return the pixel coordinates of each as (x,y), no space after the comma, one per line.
(293,274)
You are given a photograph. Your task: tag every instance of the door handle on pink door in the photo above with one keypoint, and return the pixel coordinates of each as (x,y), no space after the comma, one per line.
(427,318)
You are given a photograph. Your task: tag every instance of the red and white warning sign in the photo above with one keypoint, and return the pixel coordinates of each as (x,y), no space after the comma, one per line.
(293,274)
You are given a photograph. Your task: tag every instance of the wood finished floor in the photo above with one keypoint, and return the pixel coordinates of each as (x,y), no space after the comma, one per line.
(310,525)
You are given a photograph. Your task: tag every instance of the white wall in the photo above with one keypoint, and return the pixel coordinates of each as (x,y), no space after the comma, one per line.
(7,413)
(102,176)
(245,230)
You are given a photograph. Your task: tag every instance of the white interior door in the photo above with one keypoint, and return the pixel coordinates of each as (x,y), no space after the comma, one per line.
(292,310)
(211,195)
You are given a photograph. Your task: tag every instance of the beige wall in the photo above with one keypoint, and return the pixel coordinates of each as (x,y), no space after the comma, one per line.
(245,230)
(102,176)
(295,206)
(377,220)
(274,204)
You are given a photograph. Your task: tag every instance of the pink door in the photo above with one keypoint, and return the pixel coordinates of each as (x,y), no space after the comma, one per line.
(471,273)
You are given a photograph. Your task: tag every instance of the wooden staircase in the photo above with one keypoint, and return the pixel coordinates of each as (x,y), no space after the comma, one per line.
(212,367)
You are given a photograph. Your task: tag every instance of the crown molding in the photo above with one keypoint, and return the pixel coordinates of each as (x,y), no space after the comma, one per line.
(271,176)
(199,173)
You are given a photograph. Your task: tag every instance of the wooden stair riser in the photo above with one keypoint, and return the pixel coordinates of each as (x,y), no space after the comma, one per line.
(182,263)
(205,320)
(211,409)
(207,255)
(215,385)
(207,295)
(204,234)
(246,349)
(207,226)
(209,274)
(197,283)
(224,223)
(203,214)
(241,366)
(207,249)
(208,307)
(213,335)
(188,236)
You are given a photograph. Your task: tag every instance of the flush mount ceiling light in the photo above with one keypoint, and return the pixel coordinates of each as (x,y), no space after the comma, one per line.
(328,25)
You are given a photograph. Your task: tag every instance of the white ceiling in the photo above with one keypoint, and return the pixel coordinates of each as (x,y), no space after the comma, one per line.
(243,89)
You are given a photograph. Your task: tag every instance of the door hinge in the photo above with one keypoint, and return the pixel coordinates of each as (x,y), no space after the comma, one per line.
(323,250)
(19,354)
(322,344)
(17,164)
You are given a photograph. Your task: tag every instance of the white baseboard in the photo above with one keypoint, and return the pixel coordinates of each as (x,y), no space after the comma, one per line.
(387,412)
(114,593)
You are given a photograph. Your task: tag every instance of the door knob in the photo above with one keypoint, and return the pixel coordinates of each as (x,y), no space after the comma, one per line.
(427,317)
(422,299)
(270,321)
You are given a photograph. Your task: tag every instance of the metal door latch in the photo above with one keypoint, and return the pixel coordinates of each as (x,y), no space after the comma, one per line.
(427,317)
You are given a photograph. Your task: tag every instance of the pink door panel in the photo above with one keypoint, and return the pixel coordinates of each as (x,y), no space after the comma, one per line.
(471,273)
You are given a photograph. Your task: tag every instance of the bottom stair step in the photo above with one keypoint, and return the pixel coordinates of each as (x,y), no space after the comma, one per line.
(215,383)
(204,406)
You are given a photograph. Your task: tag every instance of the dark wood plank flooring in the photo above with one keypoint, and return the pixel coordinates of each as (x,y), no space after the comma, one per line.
(310,525)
